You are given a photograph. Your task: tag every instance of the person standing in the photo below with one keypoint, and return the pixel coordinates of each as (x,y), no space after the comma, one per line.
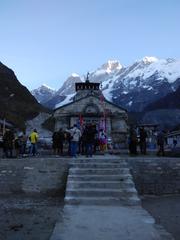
(24,143)
(133,142)
(8,140)
(160,143)
(75,135)
(17,144)
(143,136)
(67,142)
(102,140)
(89,138)
(55,143)
(174,142)
(96,139)
(33,139)
(60,141)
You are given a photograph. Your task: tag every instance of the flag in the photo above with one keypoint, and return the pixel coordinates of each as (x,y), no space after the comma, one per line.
(81,120)
(101,98)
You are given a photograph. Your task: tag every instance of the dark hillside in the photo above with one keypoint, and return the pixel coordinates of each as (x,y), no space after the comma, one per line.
(16,102)
(170,101)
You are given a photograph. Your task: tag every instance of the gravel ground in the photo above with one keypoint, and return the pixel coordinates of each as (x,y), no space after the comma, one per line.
(28,218)
(166,211)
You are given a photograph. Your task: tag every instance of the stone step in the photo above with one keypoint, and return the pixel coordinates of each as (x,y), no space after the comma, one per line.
(95,177)
(97,165)
(94,160)
(101,192)
(100,184)
(98,171)
(113,201)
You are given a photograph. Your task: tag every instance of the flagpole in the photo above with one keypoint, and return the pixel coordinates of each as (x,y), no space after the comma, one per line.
(4,120)
(103,106)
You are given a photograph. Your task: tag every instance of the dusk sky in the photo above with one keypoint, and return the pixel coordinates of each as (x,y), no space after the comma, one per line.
(44,41)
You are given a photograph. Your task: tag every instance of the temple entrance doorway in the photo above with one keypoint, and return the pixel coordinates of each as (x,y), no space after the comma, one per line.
(91,120)
(99,122)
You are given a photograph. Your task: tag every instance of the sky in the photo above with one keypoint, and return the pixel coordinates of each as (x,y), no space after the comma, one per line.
(44,41)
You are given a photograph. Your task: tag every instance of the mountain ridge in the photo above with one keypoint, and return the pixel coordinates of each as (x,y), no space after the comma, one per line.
(133,87)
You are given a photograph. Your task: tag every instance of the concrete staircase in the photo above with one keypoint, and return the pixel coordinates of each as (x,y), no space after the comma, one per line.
(104,191)
(100,181)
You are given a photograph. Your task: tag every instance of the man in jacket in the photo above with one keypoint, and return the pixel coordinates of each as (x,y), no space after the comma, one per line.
(75,135)
(33,139)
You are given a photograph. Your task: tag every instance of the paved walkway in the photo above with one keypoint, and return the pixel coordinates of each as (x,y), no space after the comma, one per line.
(107,223)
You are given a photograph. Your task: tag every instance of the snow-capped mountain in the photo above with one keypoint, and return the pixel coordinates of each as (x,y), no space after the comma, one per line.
(43,93)
(69,85)
(145,81)
(63,94)
(133,87)
(100,75)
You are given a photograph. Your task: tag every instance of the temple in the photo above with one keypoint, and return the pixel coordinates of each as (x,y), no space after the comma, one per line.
(90,107)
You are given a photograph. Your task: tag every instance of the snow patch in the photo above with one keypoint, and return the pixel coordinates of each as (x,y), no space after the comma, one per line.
(161,67)
(111,65)
(130,103)
(107,92)
(145,86)
(46,86)
(173,88)
(147,60)
(74,75)
(150,88)
(68,99)
(100,72)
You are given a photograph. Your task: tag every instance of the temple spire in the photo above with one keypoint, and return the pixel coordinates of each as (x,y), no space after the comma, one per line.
(87,77)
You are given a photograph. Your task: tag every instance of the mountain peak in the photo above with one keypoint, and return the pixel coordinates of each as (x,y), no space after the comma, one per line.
(74,75)
(111,65)
(43,92)
(148,60)
(45,86)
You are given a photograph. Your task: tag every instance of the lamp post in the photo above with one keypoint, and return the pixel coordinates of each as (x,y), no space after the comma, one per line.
(4,120)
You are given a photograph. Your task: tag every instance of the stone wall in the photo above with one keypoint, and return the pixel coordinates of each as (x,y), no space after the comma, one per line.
(48,175)
(156,175)
(33,175)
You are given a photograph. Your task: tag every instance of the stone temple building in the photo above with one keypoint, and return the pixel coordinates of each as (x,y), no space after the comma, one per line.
(90,107)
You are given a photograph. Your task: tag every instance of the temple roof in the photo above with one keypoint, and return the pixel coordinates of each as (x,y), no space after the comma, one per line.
(94,96)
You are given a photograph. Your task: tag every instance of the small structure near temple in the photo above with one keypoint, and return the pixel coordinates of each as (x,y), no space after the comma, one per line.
(90,107)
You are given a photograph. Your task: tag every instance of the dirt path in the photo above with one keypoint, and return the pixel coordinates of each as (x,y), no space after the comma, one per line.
(28,218)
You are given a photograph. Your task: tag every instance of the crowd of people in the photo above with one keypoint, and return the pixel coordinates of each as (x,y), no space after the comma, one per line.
(15,144)
(139,138)
(85,141)
(74,141)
